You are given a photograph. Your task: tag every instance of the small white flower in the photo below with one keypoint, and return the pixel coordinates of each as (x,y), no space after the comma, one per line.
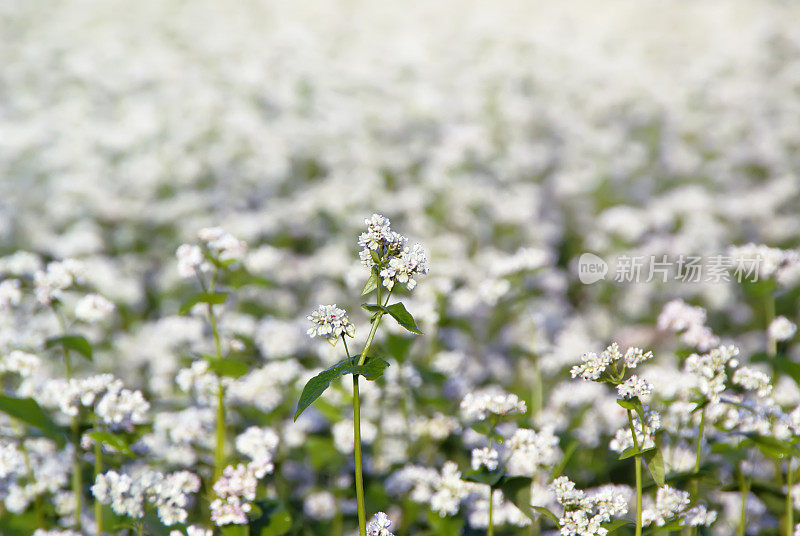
(634,386)
(485,456)
(781,329)
(93,308)
(330,322)
(379,525)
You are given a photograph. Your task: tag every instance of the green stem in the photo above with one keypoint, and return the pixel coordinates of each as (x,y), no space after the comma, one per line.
(98,507)
(371,336)
(219,440)
(490,528)
(77,478)
(789,503)
(744,489)
(696,469)
(362,515)
(638,467)
(769,311)
(219,446)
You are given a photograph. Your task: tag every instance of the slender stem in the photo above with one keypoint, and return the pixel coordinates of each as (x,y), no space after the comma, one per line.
(696,469)
(219,446)
(219,440)
(98,507)
(77,477)
(789,502)
(490,528)
(744,489)
(769,310)
(362,515)
(371,336)
(638,467)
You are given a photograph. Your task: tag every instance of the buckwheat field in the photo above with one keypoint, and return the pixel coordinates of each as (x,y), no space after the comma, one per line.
(444,268)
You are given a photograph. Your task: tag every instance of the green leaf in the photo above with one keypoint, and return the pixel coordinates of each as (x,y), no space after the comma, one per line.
(227,366)
(372,369)
(274,519)
(71,342)
(403,317)
(376,257)
(29,412)
(488,431)
(611,526)
(112,440)
(633,404)
(772,447)
(372,308)
(371,284)
(444,526)
(633,451)
(517,489)
(234,530)
(655,464)
(211,298)
(483,476)
(547,513)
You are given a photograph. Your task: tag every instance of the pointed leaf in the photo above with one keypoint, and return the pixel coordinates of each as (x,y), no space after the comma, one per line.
(482,476)
(547,513)
(371,284)
(517,489)
(227,366)
(372,308)
(28,411)
(211,298)
(655,464)
(71,341)
(112,440)
(403,317)
(611,526)
(372,369)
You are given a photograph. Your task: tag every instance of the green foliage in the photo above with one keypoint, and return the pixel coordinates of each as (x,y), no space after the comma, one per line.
(211,298)
(372,369)
(403,317)
(29,412)
(71,341)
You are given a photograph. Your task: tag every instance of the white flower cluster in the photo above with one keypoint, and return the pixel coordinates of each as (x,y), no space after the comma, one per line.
(671,503)
(402,268)
(259,444)
(690,321)
(117,407)
(781,329)
(504,512)
(57,277)
(193,530)
(584,514)
(320,505)
(219,242)
(191,261)
(379,525)
(380,238)
(644,435)
(531,451)
(32,469)
(753,380)
(634,387)
(330,322)
(10,293)
(235,490)
(764,261)
(170,494)
(20,362)
(710,370)
(402,263)
(93,308)
(593,365)
(449,490)
(478,405)
(485,456)
(223,244)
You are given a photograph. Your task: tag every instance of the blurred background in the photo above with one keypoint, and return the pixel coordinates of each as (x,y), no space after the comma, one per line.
(507,137)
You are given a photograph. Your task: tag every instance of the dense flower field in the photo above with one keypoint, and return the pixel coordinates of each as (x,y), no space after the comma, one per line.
(399,268)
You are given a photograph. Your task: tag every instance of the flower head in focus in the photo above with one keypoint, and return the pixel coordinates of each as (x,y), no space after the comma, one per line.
(330,322)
